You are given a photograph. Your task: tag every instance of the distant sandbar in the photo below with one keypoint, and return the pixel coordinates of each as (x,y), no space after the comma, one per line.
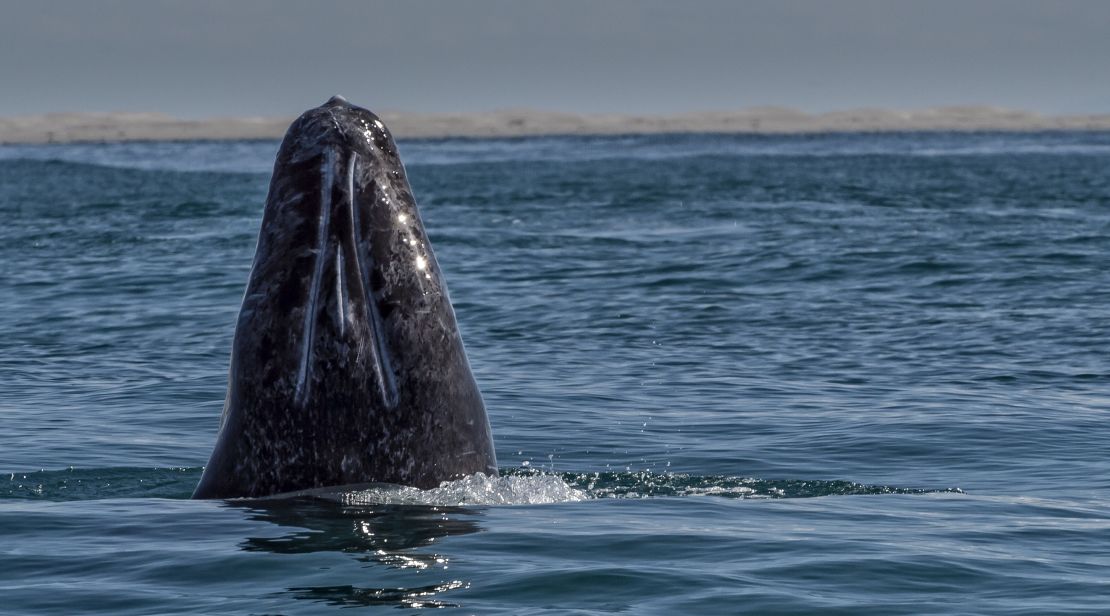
(95,127)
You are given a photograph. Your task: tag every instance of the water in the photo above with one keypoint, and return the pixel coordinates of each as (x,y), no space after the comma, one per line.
(856,374)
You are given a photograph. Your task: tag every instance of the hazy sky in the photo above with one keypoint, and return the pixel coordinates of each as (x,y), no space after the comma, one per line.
(201,58)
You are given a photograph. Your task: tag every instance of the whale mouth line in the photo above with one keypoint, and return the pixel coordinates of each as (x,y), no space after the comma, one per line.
(379,352)
(309,330)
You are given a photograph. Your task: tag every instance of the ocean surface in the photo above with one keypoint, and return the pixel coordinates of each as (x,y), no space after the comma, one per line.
(844,374)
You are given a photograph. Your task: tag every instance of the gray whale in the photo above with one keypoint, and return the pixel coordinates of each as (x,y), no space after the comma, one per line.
(347,366)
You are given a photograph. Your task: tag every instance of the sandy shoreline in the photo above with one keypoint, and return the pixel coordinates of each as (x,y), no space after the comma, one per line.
(77,127)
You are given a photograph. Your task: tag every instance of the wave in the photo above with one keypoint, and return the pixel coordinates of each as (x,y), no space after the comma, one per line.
(256,157)
(250,157)
(678,146)
(515,486)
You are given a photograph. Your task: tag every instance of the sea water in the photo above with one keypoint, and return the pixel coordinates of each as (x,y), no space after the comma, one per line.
(842,374)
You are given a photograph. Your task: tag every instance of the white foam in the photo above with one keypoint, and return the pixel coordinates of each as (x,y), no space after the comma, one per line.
(478,489)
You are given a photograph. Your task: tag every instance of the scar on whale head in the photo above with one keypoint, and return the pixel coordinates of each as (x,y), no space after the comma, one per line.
(347,366)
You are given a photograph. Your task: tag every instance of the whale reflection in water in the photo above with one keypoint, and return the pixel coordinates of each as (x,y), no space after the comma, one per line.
(393,536)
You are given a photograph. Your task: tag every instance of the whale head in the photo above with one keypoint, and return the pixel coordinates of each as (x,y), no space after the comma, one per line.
(347,365)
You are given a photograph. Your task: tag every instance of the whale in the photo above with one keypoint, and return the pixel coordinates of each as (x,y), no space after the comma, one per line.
(347,366)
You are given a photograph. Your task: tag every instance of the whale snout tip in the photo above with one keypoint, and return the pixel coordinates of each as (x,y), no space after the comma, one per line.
(337,101)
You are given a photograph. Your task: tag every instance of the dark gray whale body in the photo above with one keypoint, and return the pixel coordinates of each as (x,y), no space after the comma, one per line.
(347,366)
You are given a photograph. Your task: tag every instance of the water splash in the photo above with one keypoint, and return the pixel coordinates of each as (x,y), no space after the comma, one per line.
(513,487)
(647,484)
(479,489)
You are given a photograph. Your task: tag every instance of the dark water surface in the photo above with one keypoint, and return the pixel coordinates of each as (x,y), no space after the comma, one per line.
(848,374)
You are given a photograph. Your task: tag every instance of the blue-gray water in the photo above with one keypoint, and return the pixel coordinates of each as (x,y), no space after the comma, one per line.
(790,375)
